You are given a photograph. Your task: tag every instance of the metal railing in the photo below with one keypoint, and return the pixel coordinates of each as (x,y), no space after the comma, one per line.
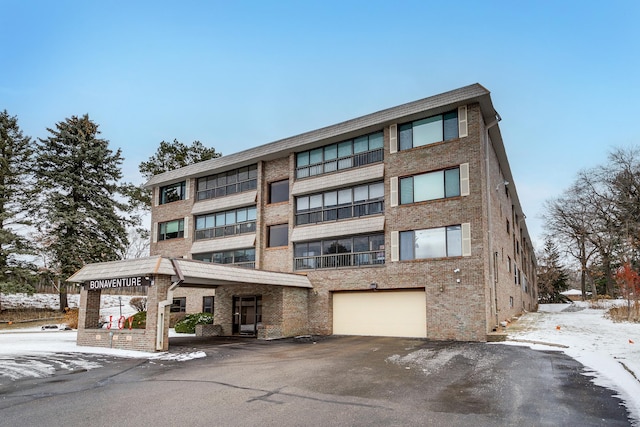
(355,259)
(355,210)
(226,230)
(346,162)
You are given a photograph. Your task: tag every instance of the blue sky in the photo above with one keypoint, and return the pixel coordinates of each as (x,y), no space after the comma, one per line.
(237,74)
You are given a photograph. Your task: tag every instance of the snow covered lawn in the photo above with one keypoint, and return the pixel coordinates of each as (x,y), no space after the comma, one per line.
(611,351)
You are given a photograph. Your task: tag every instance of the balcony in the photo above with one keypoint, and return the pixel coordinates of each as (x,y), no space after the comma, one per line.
(356,259)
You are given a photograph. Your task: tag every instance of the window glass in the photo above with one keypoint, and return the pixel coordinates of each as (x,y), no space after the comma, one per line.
(315,156)
(406,190)
(427,131)
(232,177)
(361,144)
(376,190)
(329,247)
(344,196)
(172,227)
(361,193)
(201,222)
(344,149)
(430,243)
(302,159)
(209,221)
(331,198)
(376,242)
(302,203)
(230,217)
(243,174)
(220,219)
(241,215)
(331,152)
(454,240)
(429,186)
(406,136)
(251,213)
(279,191)
(278,235)
(452,182)
(361,244)
(300,249)
(376,141)
(407,244)
(451,125)
(253,172)
(344,246)
(315,201)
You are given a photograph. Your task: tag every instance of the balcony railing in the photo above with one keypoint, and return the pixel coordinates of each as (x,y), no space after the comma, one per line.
(226,230)
(355,259)
(227,190)
(355,210)
(347,162)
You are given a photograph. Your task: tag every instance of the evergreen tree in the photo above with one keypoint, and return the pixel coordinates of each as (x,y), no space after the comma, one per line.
(174,155)
(77,181)
(16,160)
(552,277)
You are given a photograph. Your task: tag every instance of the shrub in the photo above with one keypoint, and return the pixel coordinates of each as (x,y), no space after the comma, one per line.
(139,320)
(71,317)
(188,324)
(138,303)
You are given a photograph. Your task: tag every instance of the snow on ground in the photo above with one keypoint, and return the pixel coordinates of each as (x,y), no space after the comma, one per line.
(610,351)
(33,352)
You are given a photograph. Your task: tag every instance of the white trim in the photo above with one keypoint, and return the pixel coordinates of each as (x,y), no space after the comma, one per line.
(154,232)
(462,122)
(393,138)
(155,196)
(464,179)
(393,190)
(395,249)
(186,227)
(466,239)
(186,189)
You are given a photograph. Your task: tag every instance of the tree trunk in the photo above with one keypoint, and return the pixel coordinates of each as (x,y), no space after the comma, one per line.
(63,296)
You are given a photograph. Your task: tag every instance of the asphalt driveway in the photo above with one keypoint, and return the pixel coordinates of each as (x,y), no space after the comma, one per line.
(353,381)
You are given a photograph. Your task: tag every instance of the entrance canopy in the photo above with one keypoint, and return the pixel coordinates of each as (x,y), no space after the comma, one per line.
(190,272)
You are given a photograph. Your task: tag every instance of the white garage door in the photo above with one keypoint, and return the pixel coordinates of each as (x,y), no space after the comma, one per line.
(380,313)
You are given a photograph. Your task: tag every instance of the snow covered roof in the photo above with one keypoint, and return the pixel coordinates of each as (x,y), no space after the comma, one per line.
(192,272)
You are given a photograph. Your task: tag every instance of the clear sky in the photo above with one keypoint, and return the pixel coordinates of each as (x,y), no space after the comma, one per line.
(237,74)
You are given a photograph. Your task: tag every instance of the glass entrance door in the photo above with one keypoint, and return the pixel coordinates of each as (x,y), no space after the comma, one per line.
(247,314)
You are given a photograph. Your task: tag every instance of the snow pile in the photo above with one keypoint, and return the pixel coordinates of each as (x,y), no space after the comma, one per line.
(610,350)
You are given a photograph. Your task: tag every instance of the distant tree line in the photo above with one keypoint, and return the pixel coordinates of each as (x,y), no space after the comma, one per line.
(595,222)
(63,203)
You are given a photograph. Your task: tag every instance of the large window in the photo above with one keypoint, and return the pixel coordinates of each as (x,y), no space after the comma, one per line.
(430,186)
(240,257)
(179,305)
(227,183)
(442,127)
(343,155)
(226,223)
(172,193)
(279,191)
(431,243)
(342,252)
(278,235)
(171,229)
(363,200)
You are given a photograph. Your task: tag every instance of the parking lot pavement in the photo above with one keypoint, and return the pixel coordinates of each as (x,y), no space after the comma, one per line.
(323,381)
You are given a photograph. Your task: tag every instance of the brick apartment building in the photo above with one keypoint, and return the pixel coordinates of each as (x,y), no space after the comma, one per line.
(403,222)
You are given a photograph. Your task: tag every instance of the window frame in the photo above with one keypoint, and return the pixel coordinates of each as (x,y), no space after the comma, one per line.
(340,155)
(216,231)
(410,181)
(179,234)
(406,131)
(180,306)
(275,188)
(205,305)
(273,240)
(181,192)
(307,259)
(227,183)
(452,234)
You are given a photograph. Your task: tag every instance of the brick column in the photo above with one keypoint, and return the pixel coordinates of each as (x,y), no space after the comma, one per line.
(156,294)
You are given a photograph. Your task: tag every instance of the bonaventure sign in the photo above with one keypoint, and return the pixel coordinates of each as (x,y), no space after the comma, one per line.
(120,282)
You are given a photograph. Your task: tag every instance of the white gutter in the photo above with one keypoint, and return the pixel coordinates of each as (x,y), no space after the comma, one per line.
(163,304)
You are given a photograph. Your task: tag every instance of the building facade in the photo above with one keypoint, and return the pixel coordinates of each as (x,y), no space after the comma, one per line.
(405,222)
